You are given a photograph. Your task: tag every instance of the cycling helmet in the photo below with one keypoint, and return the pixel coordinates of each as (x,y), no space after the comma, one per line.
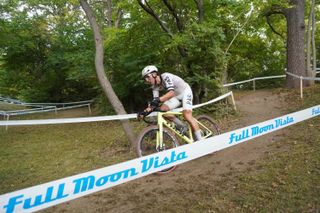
(148,69)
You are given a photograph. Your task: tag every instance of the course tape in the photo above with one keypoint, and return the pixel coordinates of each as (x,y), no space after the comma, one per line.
(302,77)
(253,79)
(52,193)
(272,77)
(58,104)
(44,109)
(29,110)
(91,119)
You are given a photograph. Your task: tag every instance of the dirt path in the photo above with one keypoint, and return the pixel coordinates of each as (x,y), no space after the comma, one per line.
(193,181)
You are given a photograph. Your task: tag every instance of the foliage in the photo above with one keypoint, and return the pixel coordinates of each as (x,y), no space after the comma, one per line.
(47,50)
(46,58)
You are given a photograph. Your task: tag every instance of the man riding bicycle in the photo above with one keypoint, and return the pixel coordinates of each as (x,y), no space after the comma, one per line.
(177,92)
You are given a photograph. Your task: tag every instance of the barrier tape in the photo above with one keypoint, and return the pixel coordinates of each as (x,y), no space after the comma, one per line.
(52,193)
(272,77)
(66,103)
(253,79)
(91,119)
(302,77)
(29,110)
(45,109)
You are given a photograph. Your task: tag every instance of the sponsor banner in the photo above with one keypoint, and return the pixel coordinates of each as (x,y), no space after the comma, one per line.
(52,193)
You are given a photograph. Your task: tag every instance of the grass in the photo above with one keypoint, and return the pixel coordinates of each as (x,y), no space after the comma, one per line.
(7,107)
(286,180)
(30,155)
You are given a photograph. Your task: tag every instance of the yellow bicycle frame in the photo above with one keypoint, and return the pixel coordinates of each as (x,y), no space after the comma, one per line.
(162,122)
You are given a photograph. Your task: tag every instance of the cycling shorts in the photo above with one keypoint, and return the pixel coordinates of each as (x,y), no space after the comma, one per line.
(185,98)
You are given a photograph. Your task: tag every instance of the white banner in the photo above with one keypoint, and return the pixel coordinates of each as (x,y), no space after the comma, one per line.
(302,77)
(92,119)
(66,189)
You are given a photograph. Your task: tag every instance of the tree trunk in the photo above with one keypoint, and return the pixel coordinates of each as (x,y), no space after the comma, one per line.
(313,42)
(107,4)
(295,42)
(310,70)
(104,82)
(199,4)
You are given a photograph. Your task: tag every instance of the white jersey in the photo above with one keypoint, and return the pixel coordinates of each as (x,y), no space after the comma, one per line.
(171,82)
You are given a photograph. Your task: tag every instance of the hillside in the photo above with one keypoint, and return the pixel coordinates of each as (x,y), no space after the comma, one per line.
(247,177)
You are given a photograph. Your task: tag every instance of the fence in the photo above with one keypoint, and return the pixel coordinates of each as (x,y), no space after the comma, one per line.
(44,107)
(101,118)
(278,76)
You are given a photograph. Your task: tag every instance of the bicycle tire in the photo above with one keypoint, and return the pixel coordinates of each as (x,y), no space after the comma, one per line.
(146,143)
(209,123)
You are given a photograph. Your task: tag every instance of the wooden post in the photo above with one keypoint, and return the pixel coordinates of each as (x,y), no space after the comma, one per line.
(89,109)
(233,102)
(7,120)
(301,87)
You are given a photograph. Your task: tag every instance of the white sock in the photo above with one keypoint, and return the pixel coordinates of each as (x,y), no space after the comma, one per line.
(178,122)
(197,135)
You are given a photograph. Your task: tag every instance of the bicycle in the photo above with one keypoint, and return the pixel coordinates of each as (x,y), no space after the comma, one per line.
(161,135)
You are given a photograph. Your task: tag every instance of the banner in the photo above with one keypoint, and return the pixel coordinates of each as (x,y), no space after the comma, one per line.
(94,119)
(66,189)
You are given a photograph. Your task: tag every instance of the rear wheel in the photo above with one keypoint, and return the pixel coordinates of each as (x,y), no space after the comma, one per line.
(210,127)
(146,143)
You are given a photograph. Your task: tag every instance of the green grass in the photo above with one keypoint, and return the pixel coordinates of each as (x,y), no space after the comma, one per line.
(6,107)
(30,155)
(286,180)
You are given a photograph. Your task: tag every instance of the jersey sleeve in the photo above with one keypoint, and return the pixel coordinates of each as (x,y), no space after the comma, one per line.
(168,83)
(155,92)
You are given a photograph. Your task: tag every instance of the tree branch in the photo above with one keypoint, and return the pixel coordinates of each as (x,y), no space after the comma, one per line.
(275,9)
(119,18)
(175,15)
(149,10)
(199,4)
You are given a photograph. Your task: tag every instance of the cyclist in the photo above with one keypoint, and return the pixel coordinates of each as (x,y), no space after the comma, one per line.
(177,91)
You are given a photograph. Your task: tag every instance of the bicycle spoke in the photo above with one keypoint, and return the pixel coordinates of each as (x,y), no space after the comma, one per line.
(146,143)
(209,128)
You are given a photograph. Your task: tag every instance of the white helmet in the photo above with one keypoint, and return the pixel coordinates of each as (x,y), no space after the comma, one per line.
(148,69)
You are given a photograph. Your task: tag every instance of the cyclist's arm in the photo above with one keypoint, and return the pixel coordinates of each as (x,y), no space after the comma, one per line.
(167,96)
(169,86)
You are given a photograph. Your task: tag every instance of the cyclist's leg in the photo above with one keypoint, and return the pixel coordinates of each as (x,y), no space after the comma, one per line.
(187,112)
(168,105)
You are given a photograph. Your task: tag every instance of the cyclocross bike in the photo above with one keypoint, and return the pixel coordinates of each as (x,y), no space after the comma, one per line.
(161,135)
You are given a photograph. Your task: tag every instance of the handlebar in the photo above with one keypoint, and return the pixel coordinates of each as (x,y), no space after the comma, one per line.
(145,114)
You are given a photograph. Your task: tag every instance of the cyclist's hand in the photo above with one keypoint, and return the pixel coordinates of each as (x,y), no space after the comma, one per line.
(140,115)
(144,113)
(155,102)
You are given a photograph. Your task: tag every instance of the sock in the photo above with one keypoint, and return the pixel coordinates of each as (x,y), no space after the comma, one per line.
(197,135)
(178,122)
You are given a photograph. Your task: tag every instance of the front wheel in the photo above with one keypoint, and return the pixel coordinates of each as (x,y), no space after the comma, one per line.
(208,127)
(147,140)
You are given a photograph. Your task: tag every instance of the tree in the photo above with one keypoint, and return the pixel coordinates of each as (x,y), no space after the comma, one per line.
(44,52)
(294,14)
(104,82)
(311,52)
(176,15)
